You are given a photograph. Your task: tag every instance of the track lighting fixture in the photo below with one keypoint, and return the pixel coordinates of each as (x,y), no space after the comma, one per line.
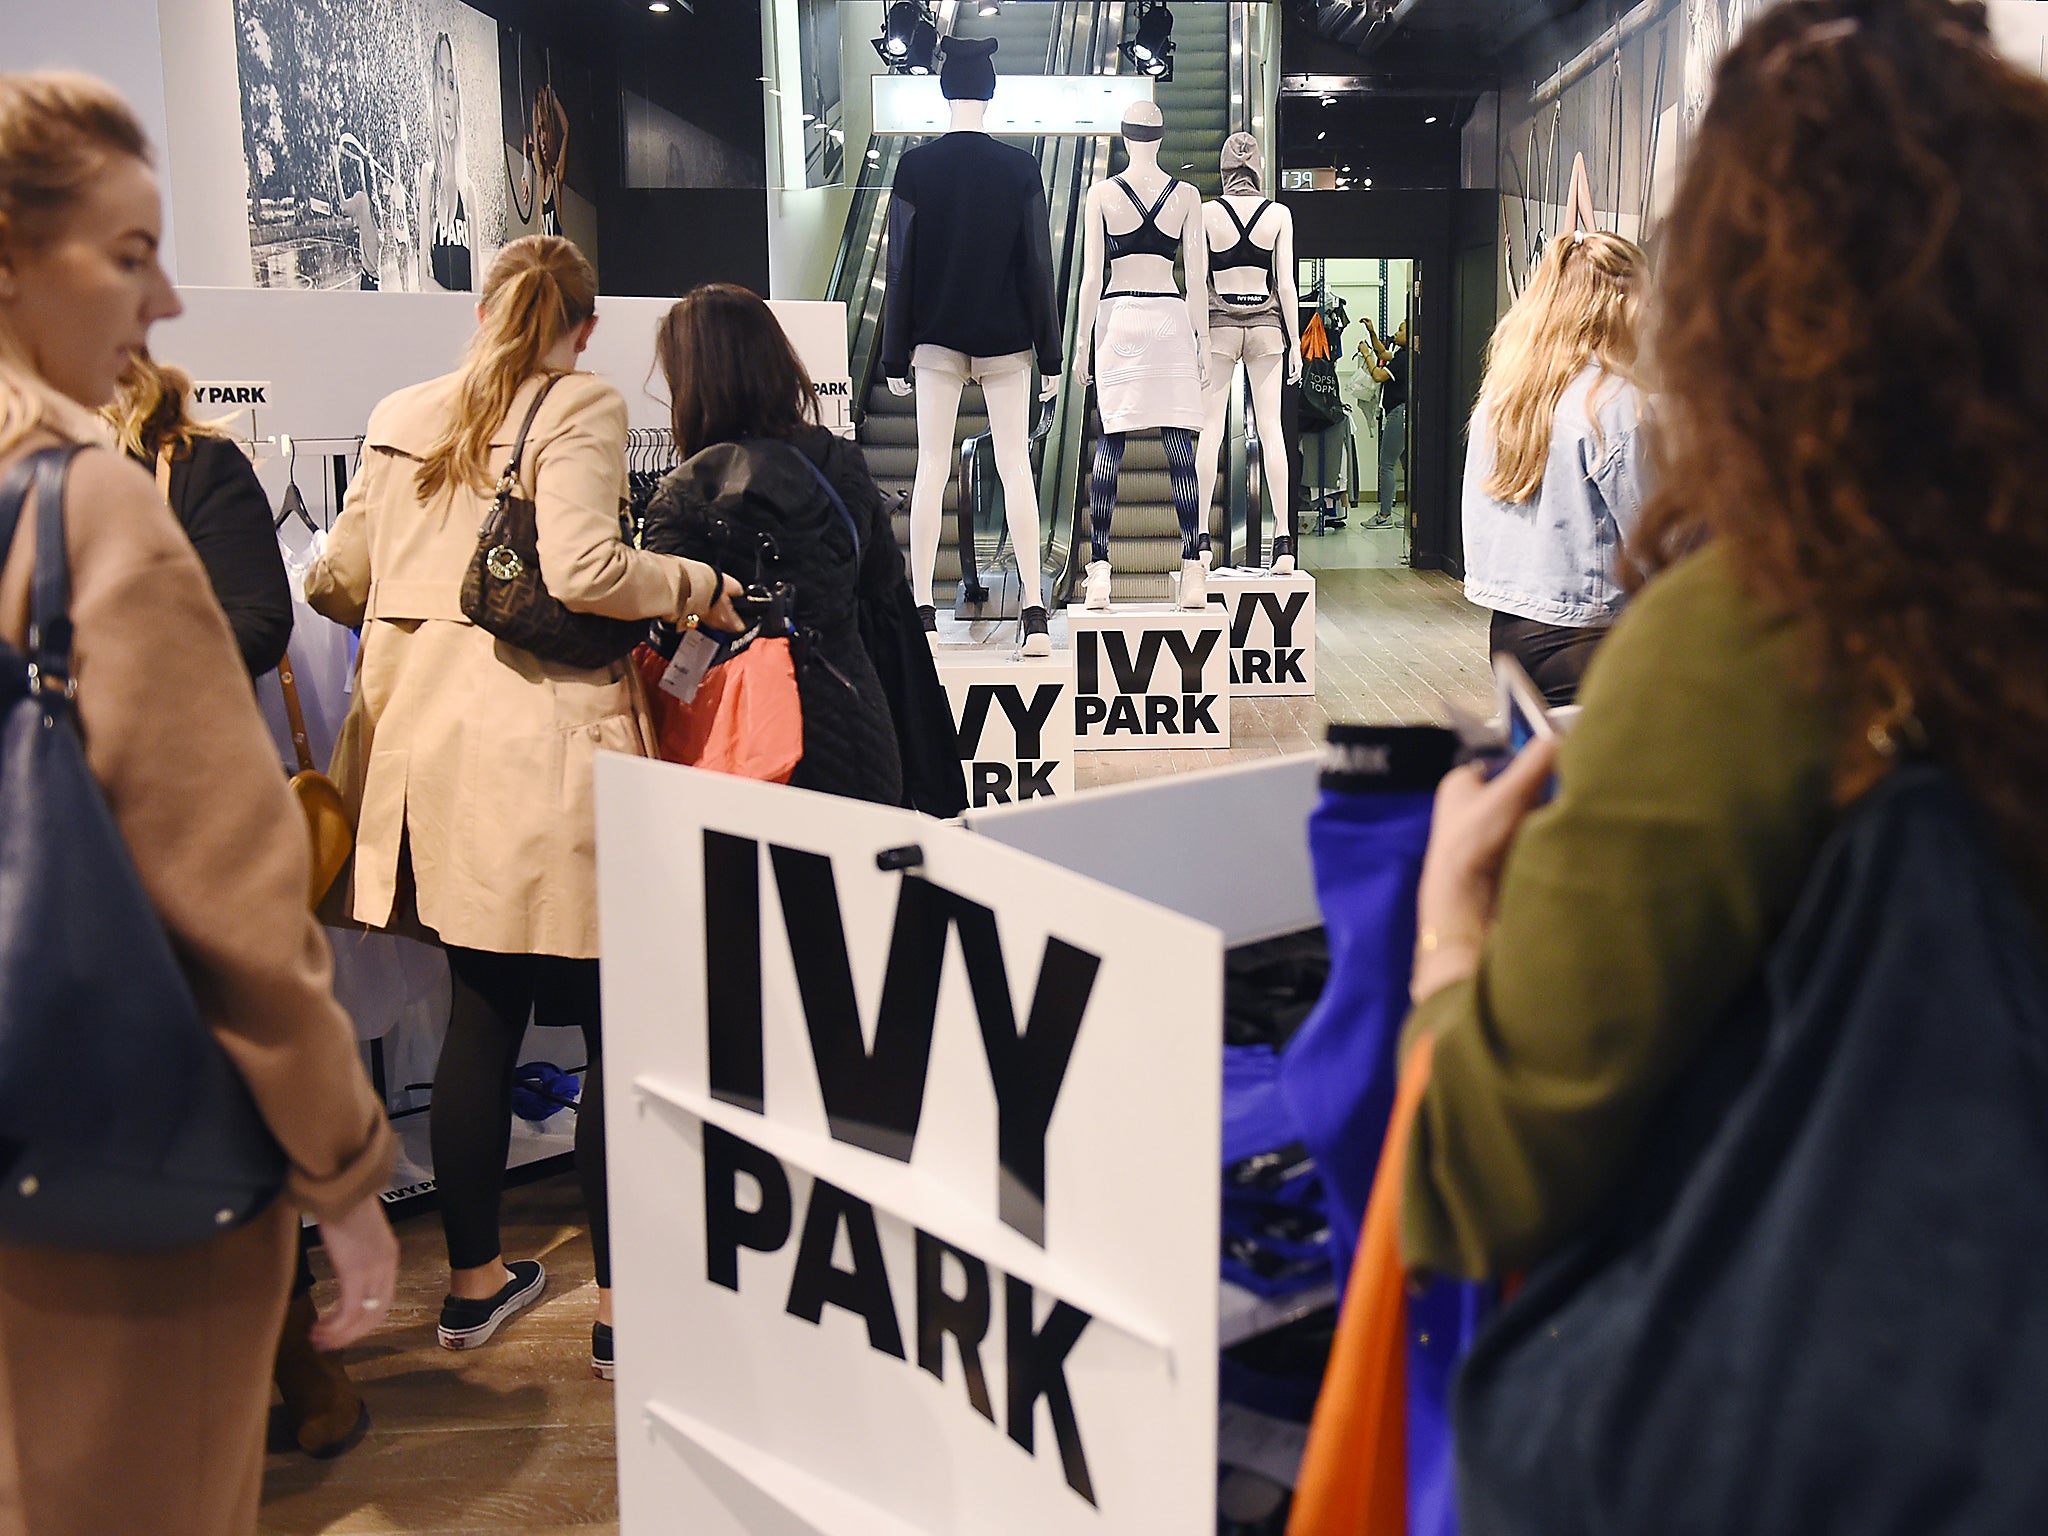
(1150,50)
(909,43)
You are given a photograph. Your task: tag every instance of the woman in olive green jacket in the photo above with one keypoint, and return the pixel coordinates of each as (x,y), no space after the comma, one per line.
(1865,188)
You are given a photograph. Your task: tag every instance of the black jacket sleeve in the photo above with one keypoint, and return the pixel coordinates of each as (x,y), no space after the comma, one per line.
(896,301)
(1039,302)
(226,515)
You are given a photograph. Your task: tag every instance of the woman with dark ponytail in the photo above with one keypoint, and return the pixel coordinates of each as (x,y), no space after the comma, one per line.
(467,760)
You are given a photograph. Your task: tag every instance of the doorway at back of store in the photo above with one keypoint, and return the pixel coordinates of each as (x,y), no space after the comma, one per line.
(1353,476)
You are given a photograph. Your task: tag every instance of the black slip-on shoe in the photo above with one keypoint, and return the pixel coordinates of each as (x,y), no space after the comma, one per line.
(601,1349)
(1036,637)
(469,1324)
(928,616)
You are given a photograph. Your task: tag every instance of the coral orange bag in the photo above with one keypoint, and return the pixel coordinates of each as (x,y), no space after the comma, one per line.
(747,718)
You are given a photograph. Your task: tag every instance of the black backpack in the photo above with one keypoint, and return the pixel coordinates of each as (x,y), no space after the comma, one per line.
(1816,1306)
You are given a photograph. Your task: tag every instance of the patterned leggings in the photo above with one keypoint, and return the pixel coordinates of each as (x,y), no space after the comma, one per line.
(1180,472)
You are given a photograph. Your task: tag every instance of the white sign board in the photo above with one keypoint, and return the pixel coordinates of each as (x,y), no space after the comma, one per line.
(1015,720)
(1146,678)
(913,1175)
(1025,106)
(327,356)
(1272,631)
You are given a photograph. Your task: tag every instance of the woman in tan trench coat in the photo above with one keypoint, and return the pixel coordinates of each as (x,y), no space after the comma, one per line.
(133,1387)
(467,760)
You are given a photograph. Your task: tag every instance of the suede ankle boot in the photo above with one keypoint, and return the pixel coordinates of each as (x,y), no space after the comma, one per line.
(326,1413)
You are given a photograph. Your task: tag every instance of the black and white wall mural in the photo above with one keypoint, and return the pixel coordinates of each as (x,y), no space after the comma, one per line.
(373,135)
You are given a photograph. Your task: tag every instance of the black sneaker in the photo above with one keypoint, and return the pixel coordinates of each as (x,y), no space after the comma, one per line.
(601,1349)
(470,1324)
(1037,639)
(928,616)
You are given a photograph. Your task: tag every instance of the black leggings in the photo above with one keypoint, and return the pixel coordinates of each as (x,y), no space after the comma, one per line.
(1555,657)
(1180,477)
(471,1121)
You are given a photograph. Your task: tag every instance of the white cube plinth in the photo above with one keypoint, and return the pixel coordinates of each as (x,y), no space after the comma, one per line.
(1015,720)
(1272,631)
(1147,677)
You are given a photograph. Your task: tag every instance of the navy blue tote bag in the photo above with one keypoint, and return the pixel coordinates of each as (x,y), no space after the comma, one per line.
(123,1125)
(1821,1304)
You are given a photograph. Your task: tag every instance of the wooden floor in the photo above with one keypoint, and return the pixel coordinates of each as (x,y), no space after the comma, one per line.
(1391,646)
(516,1438)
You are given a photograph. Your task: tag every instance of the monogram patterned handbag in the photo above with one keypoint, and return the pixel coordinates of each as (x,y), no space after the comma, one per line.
(503,592)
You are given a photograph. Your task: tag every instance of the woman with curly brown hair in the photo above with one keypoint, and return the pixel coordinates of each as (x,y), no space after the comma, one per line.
(1853,567)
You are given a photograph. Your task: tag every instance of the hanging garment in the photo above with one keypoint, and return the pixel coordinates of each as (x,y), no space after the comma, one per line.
(1810,1310)
(1366,839)
(386,983)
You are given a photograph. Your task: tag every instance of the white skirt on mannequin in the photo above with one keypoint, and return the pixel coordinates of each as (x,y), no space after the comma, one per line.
(1147,373)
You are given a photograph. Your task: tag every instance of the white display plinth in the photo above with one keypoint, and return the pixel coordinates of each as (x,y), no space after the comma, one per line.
(897,1246)
(1272,631)
(1015,719)
(1148,677)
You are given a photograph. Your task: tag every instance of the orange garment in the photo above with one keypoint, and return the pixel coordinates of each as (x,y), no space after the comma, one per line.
(1354,1474)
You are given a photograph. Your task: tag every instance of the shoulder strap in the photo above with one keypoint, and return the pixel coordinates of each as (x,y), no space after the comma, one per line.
(295,714)
(1137,202)
(13,494)
(49,629)
(511,476)
(1243,229)
(1159,206)
(1258,213)
(831,494)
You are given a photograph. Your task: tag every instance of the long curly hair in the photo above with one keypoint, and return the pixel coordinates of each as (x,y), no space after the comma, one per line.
(1851,340)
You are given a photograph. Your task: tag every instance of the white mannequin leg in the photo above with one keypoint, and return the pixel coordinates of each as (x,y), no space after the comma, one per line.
(1226,343)
(1009,397)
(1266,373)
(938,408)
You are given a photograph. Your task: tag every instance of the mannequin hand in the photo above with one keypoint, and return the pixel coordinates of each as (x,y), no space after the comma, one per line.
(1294,365)
(1048,385)
(899,387)
(1082,375)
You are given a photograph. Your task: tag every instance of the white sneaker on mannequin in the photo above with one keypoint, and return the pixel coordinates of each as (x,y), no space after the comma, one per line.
(1194,584)
(1096,593)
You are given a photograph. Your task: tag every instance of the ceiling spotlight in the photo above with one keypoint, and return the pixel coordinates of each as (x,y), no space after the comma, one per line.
(1368,181)
(659,7)
(1151,49)
(991,7)
(1323,135)
(1429,119)
(910,38)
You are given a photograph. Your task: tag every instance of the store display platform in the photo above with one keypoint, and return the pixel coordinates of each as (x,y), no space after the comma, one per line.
(1015,719)
(1272,630)
(1148,676)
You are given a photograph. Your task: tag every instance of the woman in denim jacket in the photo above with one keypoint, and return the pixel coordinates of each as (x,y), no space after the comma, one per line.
(1553,472)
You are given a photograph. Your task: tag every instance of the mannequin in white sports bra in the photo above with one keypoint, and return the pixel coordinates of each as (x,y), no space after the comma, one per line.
(1147,341)
(1253,319)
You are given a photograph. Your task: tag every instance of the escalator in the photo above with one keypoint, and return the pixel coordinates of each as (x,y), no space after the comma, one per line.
(1068,37)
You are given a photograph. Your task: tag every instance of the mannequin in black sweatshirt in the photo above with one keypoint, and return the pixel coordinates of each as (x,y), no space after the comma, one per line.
(970,297)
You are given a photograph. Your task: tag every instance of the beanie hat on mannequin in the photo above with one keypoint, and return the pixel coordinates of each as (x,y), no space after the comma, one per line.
(969,71)
(1244,167)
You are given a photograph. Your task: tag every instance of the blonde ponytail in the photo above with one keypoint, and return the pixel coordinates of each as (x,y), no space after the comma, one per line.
(1579,308)
(537,291)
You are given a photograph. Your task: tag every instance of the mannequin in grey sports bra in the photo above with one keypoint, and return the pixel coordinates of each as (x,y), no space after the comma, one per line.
(1253,319)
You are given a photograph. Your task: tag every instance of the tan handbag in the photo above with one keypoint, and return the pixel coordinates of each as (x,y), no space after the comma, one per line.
(327,823)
